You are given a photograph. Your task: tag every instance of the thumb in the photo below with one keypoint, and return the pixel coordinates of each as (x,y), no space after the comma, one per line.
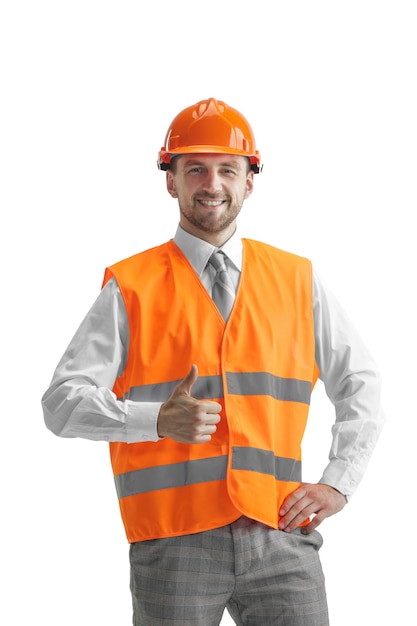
(186,384)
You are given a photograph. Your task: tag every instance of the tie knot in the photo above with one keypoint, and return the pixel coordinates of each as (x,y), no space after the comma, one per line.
(217,260)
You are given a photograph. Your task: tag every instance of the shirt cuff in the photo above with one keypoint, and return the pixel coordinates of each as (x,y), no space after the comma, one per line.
(342,478)
(141,422)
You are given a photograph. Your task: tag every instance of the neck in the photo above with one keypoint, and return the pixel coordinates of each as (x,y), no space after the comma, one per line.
(217,239)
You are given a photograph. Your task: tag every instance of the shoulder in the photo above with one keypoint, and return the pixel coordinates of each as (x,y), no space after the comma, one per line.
(259,248)
(141,258)
(140,264)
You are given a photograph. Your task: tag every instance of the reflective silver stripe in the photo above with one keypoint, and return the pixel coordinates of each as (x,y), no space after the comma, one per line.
(204,387)
(206,470)
(244,384)
(265,462)
(262,383)
(171,475)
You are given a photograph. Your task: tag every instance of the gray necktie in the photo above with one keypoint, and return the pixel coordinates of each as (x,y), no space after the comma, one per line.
(223,292)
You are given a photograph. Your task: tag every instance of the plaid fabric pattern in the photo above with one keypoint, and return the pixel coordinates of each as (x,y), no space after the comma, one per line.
(263,577)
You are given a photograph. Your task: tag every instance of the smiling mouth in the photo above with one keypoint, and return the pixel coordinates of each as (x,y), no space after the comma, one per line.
(210,203)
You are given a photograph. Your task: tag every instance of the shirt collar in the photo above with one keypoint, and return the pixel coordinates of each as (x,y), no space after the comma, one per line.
(199,251)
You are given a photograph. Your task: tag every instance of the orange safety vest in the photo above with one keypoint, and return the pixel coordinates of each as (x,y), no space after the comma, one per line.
(259,366)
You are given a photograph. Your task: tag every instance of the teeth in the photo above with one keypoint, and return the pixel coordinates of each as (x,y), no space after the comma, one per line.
(212,202)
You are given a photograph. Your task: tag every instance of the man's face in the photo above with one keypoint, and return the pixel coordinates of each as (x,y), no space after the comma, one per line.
(210,189)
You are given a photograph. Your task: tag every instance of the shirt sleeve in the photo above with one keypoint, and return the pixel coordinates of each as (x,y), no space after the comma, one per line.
(79,401)
(353,384)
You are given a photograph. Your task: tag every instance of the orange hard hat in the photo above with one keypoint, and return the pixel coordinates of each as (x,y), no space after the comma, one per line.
(210,126)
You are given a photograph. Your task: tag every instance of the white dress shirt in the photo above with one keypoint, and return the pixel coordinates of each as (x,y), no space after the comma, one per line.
(80,401)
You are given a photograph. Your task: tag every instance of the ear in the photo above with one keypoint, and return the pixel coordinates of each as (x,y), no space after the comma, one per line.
(249,184)
(170,181)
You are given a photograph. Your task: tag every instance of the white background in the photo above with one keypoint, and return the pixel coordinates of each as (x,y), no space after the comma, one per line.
(88,89)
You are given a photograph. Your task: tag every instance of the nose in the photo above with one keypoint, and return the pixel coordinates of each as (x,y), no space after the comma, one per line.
(212,182)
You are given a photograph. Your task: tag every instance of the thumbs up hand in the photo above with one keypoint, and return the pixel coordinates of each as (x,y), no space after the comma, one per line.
(186,419)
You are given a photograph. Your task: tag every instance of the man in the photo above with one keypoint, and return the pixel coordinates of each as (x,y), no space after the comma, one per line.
(196,363)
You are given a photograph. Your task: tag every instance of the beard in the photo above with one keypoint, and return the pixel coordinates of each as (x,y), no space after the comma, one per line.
(210,221)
